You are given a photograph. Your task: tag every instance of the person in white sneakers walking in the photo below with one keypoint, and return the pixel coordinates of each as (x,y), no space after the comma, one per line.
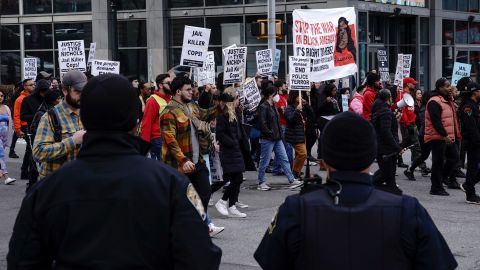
(232,138)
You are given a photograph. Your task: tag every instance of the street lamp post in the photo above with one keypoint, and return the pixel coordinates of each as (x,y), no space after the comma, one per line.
(272,42)
(114,30)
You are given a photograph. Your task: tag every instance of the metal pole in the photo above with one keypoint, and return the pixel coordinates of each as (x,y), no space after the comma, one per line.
(114,46)
(272,42)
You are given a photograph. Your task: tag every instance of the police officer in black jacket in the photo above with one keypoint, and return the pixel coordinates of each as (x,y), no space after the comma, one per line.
(112,208)
(386,127)
(470,119)
(347,224)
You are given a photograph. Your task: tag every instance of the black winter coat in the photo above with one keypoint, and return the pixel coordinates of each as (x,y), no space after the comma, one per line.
(295,131)
(386,127)
(268,121)
(30,106)
(420,119)
(139,215)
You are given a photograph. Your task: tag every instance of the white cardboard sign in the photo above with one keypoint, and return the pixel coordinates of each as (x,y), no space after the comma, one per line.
(91,53)
(264,62)
(195,46)
(460,70)
(206,74)
(30,68)
(100,67)
(234,65)
(71,55)
(251,94)
(299,70)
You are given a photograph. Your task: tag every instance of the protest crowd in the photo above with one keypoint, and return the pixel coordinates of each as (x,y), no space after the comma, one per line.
(146,156)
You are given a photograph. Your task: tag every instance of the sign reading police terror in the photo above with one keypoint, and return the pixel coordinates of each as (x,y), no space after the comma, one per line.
(328,37)
(299,68)
(234,65)
(71,55)
(91,53)
(30,68)
(264,62)
(276,61)
(460,70)
(195,46)
(206,74)
(100,67)
(251,94)
(382,57)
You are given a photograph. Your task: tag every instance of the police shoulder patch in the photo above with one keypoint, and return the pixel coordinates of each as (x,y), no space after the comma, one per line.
(467,110)
(194,199)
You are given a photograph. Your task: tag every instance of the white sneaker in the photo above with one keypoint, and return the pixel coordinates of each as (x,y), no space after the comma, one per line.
(210,202)
(263,187)
(214,230)
(233,212)
(295,184)
(222,207)
(9,180)
(241,205)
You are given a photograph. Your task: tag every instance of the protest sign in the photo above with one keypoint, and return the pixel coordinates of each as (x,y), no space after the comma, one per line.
(460,70)
(264,62)
(233,46)
(299,70)
(100,67)
(251,94)
(276,61)
(206,74)
(30,68)
(344,103)
(399,71)
(234,65)
(71,55)
(91,53)
(328,37)
(195,46)
(407,64)
(382,58)
(403,68)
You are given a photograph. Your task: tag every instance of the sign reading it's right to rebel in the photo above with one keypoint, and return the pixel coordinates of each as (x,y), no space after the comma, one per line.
(328,37)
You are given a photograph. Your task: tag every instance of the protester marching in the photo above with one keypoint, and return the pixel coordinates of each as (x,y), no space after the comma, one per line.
(146,157)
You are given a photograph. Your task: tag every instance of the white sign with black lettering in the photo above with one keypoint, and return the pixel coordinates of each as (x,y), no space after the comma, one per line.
(195,46)
(264,62)
(399,71)
(100,67)
(299,68)
(71,55)
(30,68)
(206,74)
(252,94)
(234,65)
(91,53)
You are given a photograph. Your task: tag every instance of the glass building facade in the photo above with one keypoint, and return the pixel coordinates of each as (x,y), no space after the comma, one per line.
(150,32)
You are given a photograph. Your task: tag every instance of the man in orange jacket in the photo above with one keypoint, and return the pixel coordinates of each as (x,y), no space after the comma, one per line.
(19,126)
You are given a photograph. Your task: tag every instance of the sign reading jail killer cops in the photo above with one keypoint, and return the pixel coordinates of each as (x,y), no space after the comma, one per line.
(100,67)
(195,46)
(206,74)
(91,53)
(71,55)
(299,70)
(328,37)
(251,94)
(264,62)
(460,70)
(30,68)
(234,65)
(383,70)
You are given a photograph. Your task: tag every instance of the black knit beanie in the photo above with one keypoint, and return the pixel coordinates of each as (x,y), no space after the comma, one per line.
(109,103)
(349,142)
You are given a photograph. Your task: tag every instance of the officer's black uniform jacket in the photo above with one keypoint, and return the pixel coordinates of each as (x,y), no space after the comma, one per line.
(282,247)
(470,118)
(112,208)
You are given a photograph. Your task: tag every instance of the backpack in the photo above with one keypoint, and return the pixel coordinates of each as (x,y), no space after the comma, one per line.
(57,128)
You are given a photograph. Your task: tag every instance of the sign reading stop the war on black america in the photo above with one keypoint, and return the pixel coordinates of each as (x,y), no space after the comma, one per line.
(71,55)
(195,46)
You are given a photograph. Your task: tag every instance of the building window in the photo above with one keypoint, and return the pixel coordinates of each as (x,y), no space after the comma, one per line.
(9,37)
(474,33)
(37,6)
(130,4)
(132,42)
(225,30)
(132,33)
(38,36)
(447,61)
(177,28)
(10,67)
(474,6)
(44,60)
(8,7)
(461,32)
(448,33)
(185,3)
(133,63)
(73,31)
(72,5)
(223,2)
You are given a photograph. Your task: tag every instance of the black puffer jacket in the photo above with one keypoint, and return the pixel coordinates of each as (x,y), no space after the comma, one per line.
(31,103)
(386,127)
(268,122)
(295,131)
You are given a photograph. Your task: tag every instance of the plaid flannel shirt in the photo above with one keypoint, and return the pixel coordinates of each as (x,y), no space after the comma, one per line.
(52,155)
(175,126)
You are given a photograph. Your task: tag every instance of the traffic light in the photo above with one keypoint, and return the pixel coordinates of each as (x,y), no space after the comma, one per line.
(259,29)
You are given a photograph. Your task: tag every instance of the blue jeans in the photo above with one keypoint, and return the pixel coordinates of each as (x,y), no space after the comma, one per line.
(156,150)
(277,167)
(266,153)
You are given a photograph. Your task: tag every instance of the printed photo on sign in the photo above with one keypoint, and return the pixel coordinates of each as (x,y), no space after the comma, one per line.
(100,67)
(327,36)
(30,68)
(71,55)
(251,94)
(264,62)
(234,65)
(195,46)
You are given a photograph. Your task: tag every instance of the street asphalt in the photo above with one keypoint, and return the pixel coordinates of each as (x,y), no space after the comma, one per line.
(459,222)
